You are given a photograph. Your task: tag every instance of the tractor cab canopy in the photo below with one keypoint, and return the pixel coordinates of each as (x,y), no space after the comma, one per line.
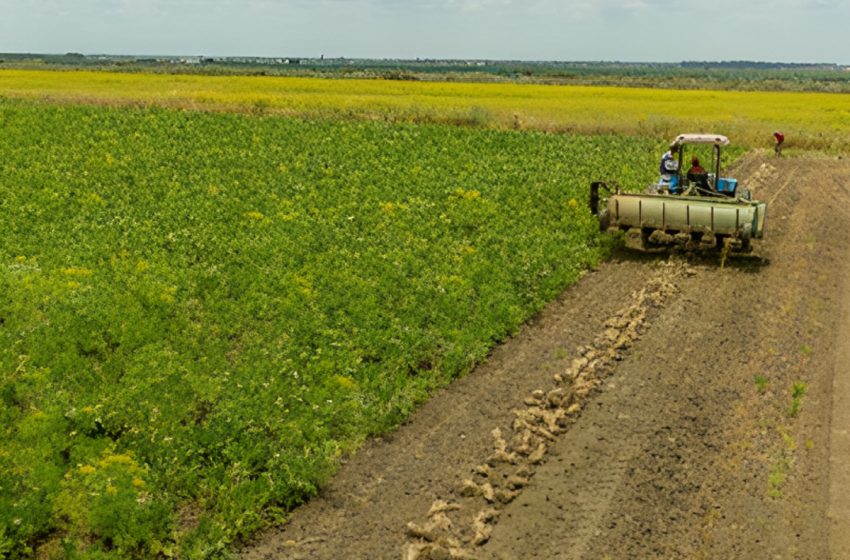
(710,181)
(716,139)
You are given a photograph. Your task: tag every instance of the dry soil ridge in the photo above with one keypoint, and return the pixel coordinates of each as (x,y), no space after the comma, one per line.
(450,530)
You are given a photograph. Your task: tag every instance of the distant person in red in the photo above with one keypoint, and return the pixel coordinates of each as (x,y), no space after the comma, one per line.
(780,138)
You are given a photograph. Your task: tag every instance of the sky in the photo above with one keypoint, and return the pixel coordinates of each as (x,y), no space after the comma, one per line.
(572,30)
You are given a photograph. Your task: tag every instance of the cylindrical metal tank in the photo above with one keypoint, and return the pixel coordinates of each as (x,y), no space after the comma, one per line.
(722,216)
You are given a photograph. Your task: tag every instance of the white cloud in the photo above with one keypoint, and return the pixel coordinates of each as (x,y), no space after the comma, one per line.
(477,5)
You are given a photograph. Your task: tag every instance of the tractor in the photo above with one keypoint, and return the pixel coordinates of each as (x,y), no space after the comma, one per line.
(691,212)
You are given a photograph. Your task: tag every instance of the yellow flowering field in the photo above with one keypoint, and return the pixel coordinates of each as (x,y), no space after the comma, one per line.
(818,121)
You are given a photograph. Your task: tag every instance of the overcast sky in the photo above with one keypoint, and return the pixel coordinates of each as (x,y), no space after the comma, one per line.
(624,30)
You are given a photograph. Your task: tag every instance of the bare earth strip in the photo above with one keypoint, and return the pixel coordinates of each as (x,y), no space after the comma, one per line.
(699,426)
(839,511)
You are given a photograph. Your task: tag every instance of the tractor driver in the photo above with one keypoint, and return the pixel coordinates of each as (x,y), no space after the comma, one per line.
(696,168)
(669,167)
(696,174)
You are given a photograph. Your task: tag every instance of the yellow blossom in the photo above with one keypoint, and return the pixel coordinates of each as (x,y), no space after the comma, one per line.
(93,198)
(467,195)
(76,271)
(121,459)
(167,294)
(345,382)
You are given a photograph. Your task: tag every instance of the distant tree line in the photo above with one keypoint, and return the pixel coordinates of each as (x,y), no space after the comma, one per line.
(736,74)
(754,65)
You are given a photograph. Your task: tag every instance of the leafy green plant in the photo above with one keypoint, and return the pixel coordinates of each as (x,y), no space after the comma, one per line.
(798,391)
(106,507)
(776,478)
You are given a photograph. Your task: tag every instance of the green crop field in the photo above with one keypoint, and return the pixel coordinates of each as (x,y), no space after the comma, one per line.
(201,312)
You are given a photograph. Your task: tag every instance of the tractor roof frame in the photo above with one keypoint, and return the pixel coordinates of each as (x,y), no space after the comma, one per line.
(715,140)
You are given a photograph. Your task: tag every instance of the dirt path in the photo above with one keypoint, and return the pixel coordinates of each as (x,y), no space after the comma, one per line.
(839,510)
(696,421)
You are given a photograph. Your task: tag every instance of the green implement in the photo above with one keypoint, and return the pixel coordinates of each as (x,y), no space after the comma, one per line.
(657,220)
(693,210)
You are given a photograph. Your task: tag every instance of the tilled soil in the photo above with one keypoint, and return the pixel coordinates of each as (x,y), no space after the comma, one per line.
(663,407)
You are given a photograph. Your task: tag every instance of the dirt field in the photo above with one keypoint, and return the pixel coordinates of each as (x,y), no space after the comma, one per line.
(661,408)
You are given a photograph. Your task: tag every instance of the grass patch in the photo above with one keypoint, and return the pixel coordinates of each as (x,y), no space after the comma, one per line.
(776,477)
(798,391)
(561,354)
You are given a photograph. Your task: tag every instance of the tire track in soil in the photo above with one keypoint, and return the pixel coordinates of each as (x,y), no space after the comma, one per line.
(671,452)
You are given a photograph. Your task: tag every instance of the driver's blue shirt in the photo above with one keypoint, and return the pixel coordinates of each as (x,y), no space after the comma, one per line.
(669,166)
